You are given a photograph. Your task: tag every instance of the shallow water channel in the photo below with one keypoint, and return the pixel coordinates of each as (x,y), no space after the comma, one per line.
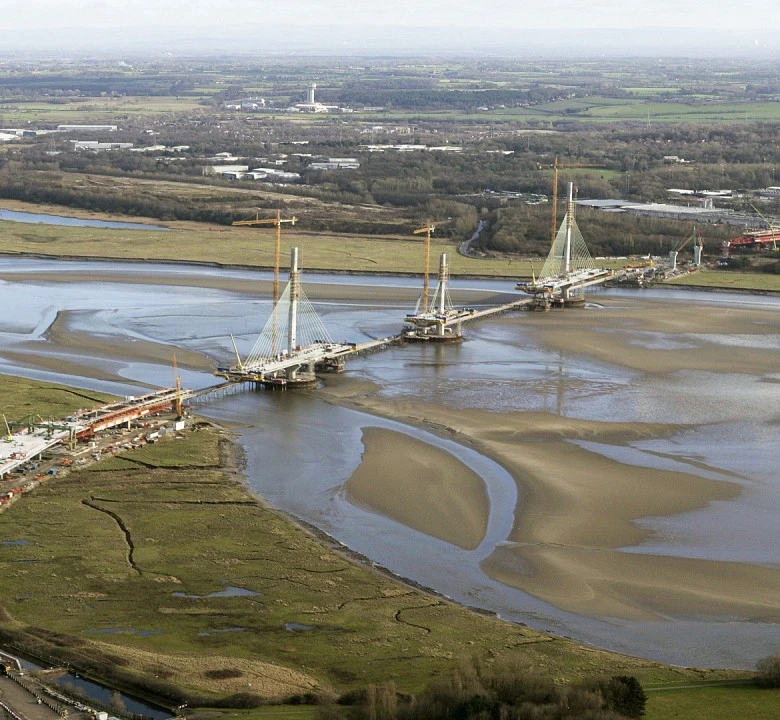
(45,219)
(301,448)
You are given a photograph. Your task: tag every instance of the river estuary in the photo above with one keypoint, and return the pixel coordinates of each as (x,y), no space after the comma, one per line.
(569,419)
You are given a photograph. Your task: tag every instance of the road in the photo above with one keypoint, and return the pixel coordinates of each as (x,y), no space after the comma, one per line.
(465,247)
(23,703)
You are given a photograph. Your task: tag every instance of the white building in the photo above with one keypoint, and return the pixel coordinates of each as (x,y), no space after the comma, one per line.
(87,128)
(95,146)
(311,105)
(228,170)
(336,164)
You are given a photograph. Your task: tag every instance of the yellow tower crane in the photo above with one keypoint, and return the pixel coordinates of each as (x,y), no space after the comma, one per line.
(277,223)
(427,229)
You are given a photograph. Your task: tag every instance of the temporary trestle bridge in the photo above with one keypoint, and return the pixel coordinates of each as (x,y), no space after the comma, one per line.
(569,267)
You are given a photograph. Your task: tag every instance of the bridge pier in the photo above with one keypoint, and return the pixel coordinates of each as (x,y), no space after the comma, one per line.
(440,333)
(334,366)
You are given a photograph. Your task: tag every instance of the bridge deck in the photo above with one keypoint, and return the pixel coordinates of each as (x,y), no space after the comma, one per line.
(575,280)
(27,445)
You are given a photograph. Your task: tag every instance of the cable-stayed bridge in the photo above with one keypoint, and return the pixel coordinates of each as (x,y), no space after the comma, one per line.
(569,267)
(294,343)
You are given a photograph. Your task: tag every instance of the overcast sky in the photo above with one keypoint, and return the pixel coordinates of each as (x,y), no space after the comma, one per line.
(714,14)
(392,27)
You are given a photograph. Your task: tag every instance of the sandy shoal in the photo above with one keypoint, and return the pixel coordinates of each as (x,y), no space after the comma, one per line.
(635,334)
(97,356)
(421,486)
(577,510)
(577,507)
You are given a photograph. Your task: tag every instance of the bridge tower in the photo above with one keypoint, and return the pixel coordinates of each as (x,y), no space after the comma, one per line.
(292,320)
(569,225)
(293,343)
(436,320)
(568,269)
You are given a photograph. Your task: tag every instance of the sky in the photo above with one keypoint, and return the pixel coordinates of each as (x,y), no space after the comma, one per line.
(716,14)
(464,24)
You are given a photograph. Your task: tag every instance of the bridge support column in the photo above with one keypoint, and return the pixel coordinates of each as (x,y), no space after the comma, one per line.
(295,293)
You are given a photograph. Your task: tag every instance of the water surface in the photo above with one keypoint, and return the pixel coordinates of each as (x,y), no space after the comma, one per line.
(301,449)
(45,219)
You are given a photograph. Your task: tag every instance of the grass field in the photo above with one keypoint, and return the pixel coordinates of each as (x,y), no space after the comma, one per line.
(125,558)
(20,398)
(253,247)
(595,109)
(122,560)
(729,280)
(713,702)
(98,110)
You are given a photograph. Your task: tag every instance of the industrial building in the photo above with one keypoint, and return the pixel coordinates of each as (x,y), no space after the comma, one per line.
(95,146)
(704,213)
(336,164)
(87,128)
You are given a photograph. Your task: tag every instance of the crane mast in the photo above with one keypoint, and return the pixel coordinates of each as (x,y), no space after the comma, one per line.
(427,229)
(277,223)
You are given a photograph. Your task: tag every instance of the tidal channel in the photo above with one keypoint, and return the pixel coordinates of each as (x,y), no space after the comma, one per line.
(628,451)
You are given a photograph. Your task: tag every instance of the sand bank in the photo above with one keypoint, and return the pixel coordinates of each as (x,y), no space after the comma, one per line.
(421,486)
(64,350)
(660,336)
(577,508)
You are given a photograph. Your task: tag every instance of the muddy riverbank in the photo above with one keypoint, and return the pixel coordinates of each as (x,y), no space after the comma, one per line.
(629,447)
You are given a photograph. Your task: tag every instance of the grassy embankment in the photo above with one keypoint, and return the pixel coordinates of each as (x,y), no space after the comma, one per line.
(253,247)
(246,246)
(21,398)
(107,548)
(729,280)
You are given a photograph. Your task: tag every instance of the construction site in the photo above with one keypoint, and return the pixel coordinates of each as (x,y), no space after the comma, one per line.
(294,346)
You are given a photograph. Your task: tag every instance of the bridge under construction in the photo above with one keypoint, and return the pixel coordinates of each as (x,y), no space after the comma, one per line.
(37,435)
(568,269)
(294,345)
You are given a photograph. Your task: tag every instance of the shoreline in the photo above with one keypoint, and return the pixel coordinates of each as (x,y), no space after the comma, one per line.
(355,273)
(525,561)
(537,450)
